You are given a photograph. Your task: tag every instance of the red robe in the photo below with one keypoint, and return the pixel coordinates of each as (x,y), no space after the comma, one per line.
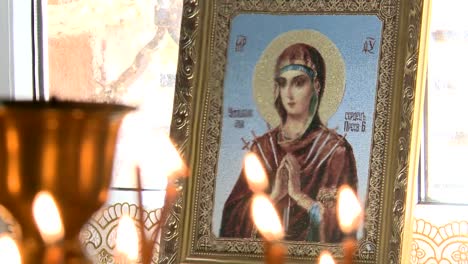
(327,162)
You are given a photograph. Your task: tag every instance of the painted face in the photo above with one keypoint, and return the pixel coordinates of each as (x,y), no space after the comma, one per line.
(295,90)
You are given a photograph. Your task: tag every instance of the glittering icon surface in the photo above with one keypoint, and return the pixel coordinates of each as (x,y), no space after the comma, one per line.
(297,68)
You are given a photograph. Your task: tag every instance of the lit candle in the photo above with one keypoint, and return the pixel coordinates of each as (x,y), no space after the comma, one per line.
(151,150)
(268,224)
(167,158)
(166,162)
(255,173)
(127,240)
(157,164)
(349,218)
(326,258)
(9,252)
(47,217)
(48,221)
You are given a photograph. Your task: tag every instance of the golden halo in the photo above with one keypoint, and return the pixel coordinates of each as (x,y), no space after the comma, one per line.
(263,79)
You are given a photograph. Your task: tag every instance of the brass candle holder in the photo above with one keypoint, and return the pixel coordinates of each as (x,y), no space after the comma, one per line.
(66,149)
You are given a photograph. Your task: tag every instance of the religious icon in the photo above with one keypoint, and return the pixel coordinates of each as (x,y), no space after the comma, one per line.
(306,162)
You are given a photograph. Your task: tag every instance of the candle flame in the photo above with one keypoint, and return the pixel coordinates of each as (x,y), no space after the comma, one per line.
(158,160)
(326,258)
(255,173)
(9,252)
(169,161)
(150,149)
(127,238)
(47,217)
(266,218)
(349,210)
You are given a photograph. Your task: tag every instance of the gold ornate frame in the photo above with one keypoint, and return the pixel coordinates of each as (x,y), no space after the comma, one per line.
(196,129)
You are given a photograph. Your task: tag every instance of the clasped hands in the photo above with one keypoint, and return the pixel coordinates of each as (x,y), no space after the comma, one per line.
(288,182)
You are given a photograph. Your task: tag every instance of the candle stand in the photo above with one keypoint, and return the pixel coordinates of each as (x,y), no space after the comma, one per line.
(66,149)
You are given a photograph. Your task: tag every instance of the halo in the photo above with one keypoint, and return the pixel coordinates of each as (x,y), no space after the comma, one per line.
(263,79)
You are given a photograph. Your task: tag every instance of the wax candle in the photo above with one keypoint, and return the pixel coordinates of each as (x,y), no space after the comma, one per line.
(9,252)
(274,252)
(54,254)
(48,221)
(267,221)
(349,218)
(255,173)
(169,164)
(326,258)
(47,217)
(127,240)
(349,247)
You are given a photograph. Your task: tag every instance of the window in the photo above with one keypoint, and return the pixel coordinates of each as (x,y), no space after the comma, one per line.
(445,139)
